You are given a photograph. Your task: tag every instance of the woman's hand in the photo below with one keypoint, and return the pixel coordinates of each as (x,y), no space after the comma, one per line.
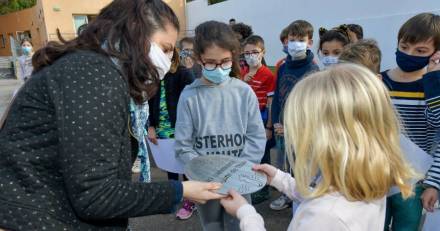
(268,170)
(233,202)
(152,137)
(201,192)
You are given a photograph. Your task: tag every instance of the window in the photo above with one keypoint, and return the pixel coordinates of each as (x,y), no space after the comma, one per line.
(23,34)
(211,2)
(79,20)
(2,41)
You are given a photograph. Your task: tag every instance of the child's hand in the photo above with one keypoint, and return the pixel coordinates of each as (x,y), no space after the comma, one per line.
(152,135)
(279,129)
(434,62)
(269,170)
(429,197)
(268,134)
(201,192)
(233,202)
(248,76)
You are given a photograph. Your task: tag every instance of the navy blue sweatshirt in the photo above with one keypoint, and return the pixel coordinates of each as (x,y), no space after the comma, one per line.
(288,75)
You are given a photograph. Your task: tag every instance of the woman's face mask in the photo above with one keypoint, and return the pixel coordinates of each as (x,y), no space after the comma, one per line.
(160,59)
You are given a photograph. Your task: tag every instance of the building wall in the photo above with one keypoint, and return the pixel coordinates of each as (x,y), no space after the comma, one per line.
(59,14)
(380,19)
(47,15)
(26,20)
(179,7)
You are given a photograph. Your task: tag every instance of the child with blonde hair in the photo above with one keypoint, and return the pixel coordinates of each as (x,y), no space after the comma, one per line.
(342,127)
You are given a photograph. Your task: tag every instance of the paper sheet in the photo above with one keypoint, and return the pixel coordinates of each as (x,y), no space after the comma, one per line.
(419,159)
(164,156)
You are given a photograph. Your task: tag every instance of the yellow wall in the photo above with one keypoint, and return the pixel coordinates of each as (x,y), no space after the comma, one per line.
(63,19)
(179,8)
(26,20)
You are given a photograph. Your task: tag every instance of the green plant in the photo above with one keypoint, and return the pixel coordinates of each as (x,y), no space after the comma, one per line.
(8,6)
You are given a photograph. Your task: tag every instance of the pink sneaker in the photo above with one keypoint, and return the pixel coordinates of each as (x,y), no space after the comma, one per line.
(186,211)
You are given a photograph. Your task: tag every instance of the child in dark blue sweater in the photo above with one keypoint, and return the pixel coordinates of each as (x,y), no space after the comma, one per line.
(299,63)
(415,92)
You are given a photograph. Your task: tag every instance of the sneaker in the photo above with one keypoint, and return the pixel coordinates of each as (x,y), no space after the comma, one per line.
(136,166)
(186,211)
(281,203)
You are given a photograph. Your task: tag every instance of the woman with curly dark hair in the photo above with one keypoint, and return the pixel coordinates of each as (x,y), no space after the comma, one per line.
(73,130)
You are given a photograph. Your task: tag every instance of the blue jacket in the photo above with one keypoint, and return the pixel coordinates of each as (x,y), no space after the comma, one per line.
(288,75)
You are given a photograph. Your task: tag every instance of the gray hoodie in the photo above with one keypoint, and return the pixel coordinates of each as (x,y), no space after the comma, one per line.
(219,120)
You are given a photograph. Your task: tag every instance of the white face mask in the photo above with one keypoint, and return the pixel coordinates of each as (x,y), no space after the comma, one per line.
(329,60)
(161,60)
(253,59)
(297,49)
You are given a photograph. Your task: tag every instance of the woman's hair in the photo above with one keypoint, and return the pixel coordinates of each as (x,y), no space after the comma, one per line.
(256,41)
(175,61)
(26,40)
(213,33)
(339,34)
(125,26)
(341,124)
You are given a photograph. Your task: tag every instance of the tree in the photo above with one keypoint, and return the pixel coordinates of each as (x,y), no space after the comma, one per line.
(8,6)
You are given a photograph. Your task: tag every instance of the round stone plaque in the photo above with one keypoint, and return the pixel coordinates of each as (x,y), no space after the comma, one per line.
(232,172)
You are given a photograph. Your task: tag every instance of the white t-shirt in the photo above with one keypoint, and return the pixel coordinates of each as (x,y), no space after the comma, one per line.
(26,67)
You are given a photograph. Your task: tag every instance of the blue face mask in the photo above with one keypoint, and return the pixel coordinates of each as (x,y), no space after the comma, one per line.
(410,63)
(26,50)
(217,76)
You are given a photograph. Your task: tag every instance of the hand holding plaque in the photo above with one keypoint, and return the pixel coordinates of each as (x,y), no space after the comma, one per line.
(231,172)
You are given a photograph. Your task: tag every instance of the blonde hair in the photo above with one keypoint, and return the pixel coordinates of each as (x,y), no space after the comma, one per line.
(340,123)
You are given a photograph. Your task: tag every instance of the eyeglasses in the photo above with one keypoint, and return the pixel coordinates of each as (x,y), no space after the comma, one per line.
(186,53)
(212,66)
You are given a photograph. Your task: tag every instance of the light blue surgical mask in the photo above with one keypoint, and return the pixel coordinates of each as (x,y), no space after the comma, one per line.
(217,76)
(297,49)
(329,60)
(26,50)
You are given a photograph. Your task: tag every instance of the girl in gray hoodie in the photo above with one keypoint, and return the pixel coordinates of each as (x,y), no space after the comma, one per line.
(218,114)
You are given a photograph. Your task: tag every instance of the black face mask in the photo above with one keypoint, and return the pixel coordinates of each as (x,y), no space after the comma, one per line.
(410,63)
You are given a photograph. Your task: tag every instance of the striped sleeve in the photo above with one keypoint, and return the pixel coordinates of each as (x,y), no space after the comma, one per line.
(433,175)
(431,85)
